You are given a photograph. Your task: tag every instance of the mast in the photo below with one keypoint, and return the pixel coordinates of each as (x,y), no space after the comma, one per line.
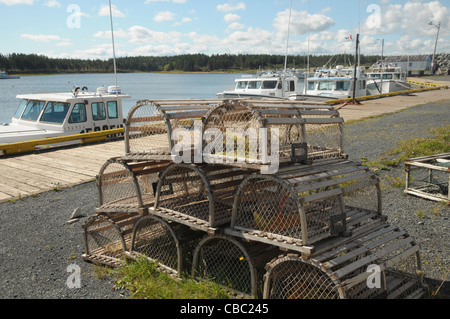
(113,46)
(356,67)
(288,34)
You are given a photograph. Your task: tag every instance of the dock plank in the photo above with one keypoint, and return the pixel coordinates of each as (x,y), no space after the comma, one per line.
(30,174)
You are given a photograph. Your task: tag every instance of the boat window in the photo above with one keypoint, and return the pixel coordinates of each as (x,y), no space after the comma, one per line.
(269,85)
(327,85)
(397,76)
(112,110)
(98,111)
(33,110)
(387,76)
(254,84)
(375,76)
(311,85)
(342,85)
(55,112)
(241,85)
(289,86)
(78,114)
(22,106)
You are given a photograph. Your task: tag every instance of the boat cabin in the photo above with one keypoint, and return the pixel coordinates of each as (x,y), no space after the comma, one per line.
(336,83)
(266,85)
(46,115)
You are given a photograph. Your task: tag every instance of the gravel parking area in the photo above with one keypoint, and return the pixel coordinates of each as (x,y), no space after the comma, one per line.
(39,248)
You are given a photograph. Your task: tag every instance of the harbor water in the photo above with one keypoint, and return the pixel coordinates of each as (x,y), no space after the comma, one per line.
(139,86)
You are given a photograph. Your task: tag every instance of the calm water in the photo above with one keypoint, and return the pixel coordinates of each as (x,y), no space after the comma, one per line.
(140,86)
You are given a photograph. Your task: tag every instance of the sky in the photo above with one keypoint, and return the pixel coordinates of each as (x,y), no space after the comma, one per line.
(82,29)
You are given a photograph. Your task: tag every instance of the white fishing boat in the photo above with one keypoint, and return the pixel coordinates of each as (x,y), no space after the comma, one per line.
(336,83)
(385,78)
(45,115)
(266,84)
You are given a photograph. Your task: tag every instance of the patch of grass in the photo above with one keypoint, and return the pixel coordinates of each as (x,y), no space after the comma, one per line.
(437,143)
(420,214)
(144,281)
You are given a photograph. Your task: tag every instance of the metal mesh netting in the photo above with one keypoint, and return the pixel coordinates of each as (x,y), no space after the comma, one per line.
(203,193)
(128,186)
(233,263)
(382,264)
(267,205)
(104,240)
(431,182)
(151,125)
(146,129)
(294,279)
(155,239)
(249,130)
(117,185)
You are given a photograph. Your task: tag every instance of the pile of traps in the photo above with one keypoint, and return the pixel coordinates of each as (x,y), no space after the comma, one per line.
(255,195)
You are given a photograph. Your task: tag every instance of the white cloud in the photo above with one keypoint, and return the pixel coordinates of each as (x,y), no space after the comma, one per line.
(235,26)
(140,35)
(107,34)
(53,4)
(105,11)
(231,17)
(164,16)
(14,2)
(229,7)
(302,22)
(41,37)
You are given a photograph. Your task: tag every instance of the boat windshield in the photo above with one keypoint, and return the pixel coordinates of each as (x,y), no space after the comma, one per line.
(325,86)
(20,109)
(387,76)
(254,84)
(55,112)
(241,85)
(33,110)
(269,84)
(342,85)
(311,85)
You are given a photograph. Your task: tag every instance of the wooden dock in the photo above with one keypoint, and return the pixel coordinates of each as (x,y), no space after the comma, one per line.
(30,174)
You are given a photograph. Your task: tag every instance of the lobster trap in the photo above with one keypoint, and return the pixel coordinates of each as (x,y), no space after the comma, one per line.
(382,264)
(128,187)
(199,196)
(150,126)
(232,263)
(109,239)
(429,177)
(249,132)
(300,206)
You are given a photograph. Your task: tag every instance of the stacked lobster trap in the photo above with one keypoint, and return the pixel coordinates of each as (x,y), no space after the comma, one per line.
(310,228)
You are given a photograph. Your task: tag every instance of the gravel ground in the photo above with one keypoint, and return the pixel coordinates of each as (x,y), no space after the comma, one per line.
(38,246)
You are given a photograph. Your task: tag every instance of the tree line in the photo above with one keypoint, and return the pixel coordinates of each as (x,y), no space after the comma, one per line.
(17,63)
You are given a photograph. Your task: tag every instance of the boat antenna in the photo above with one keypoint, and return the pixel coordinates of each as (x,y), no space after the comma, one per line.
(113,46)
(288,35)
(308,60)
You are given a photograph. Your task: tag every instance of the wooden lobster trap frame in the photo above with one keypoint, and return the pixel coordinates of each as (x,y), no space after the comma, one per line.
(300,206)
(199,196)
(382,264)
(126,186)
(429,177)
(232,263)
(150,126)
(107,238)
(258,132)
